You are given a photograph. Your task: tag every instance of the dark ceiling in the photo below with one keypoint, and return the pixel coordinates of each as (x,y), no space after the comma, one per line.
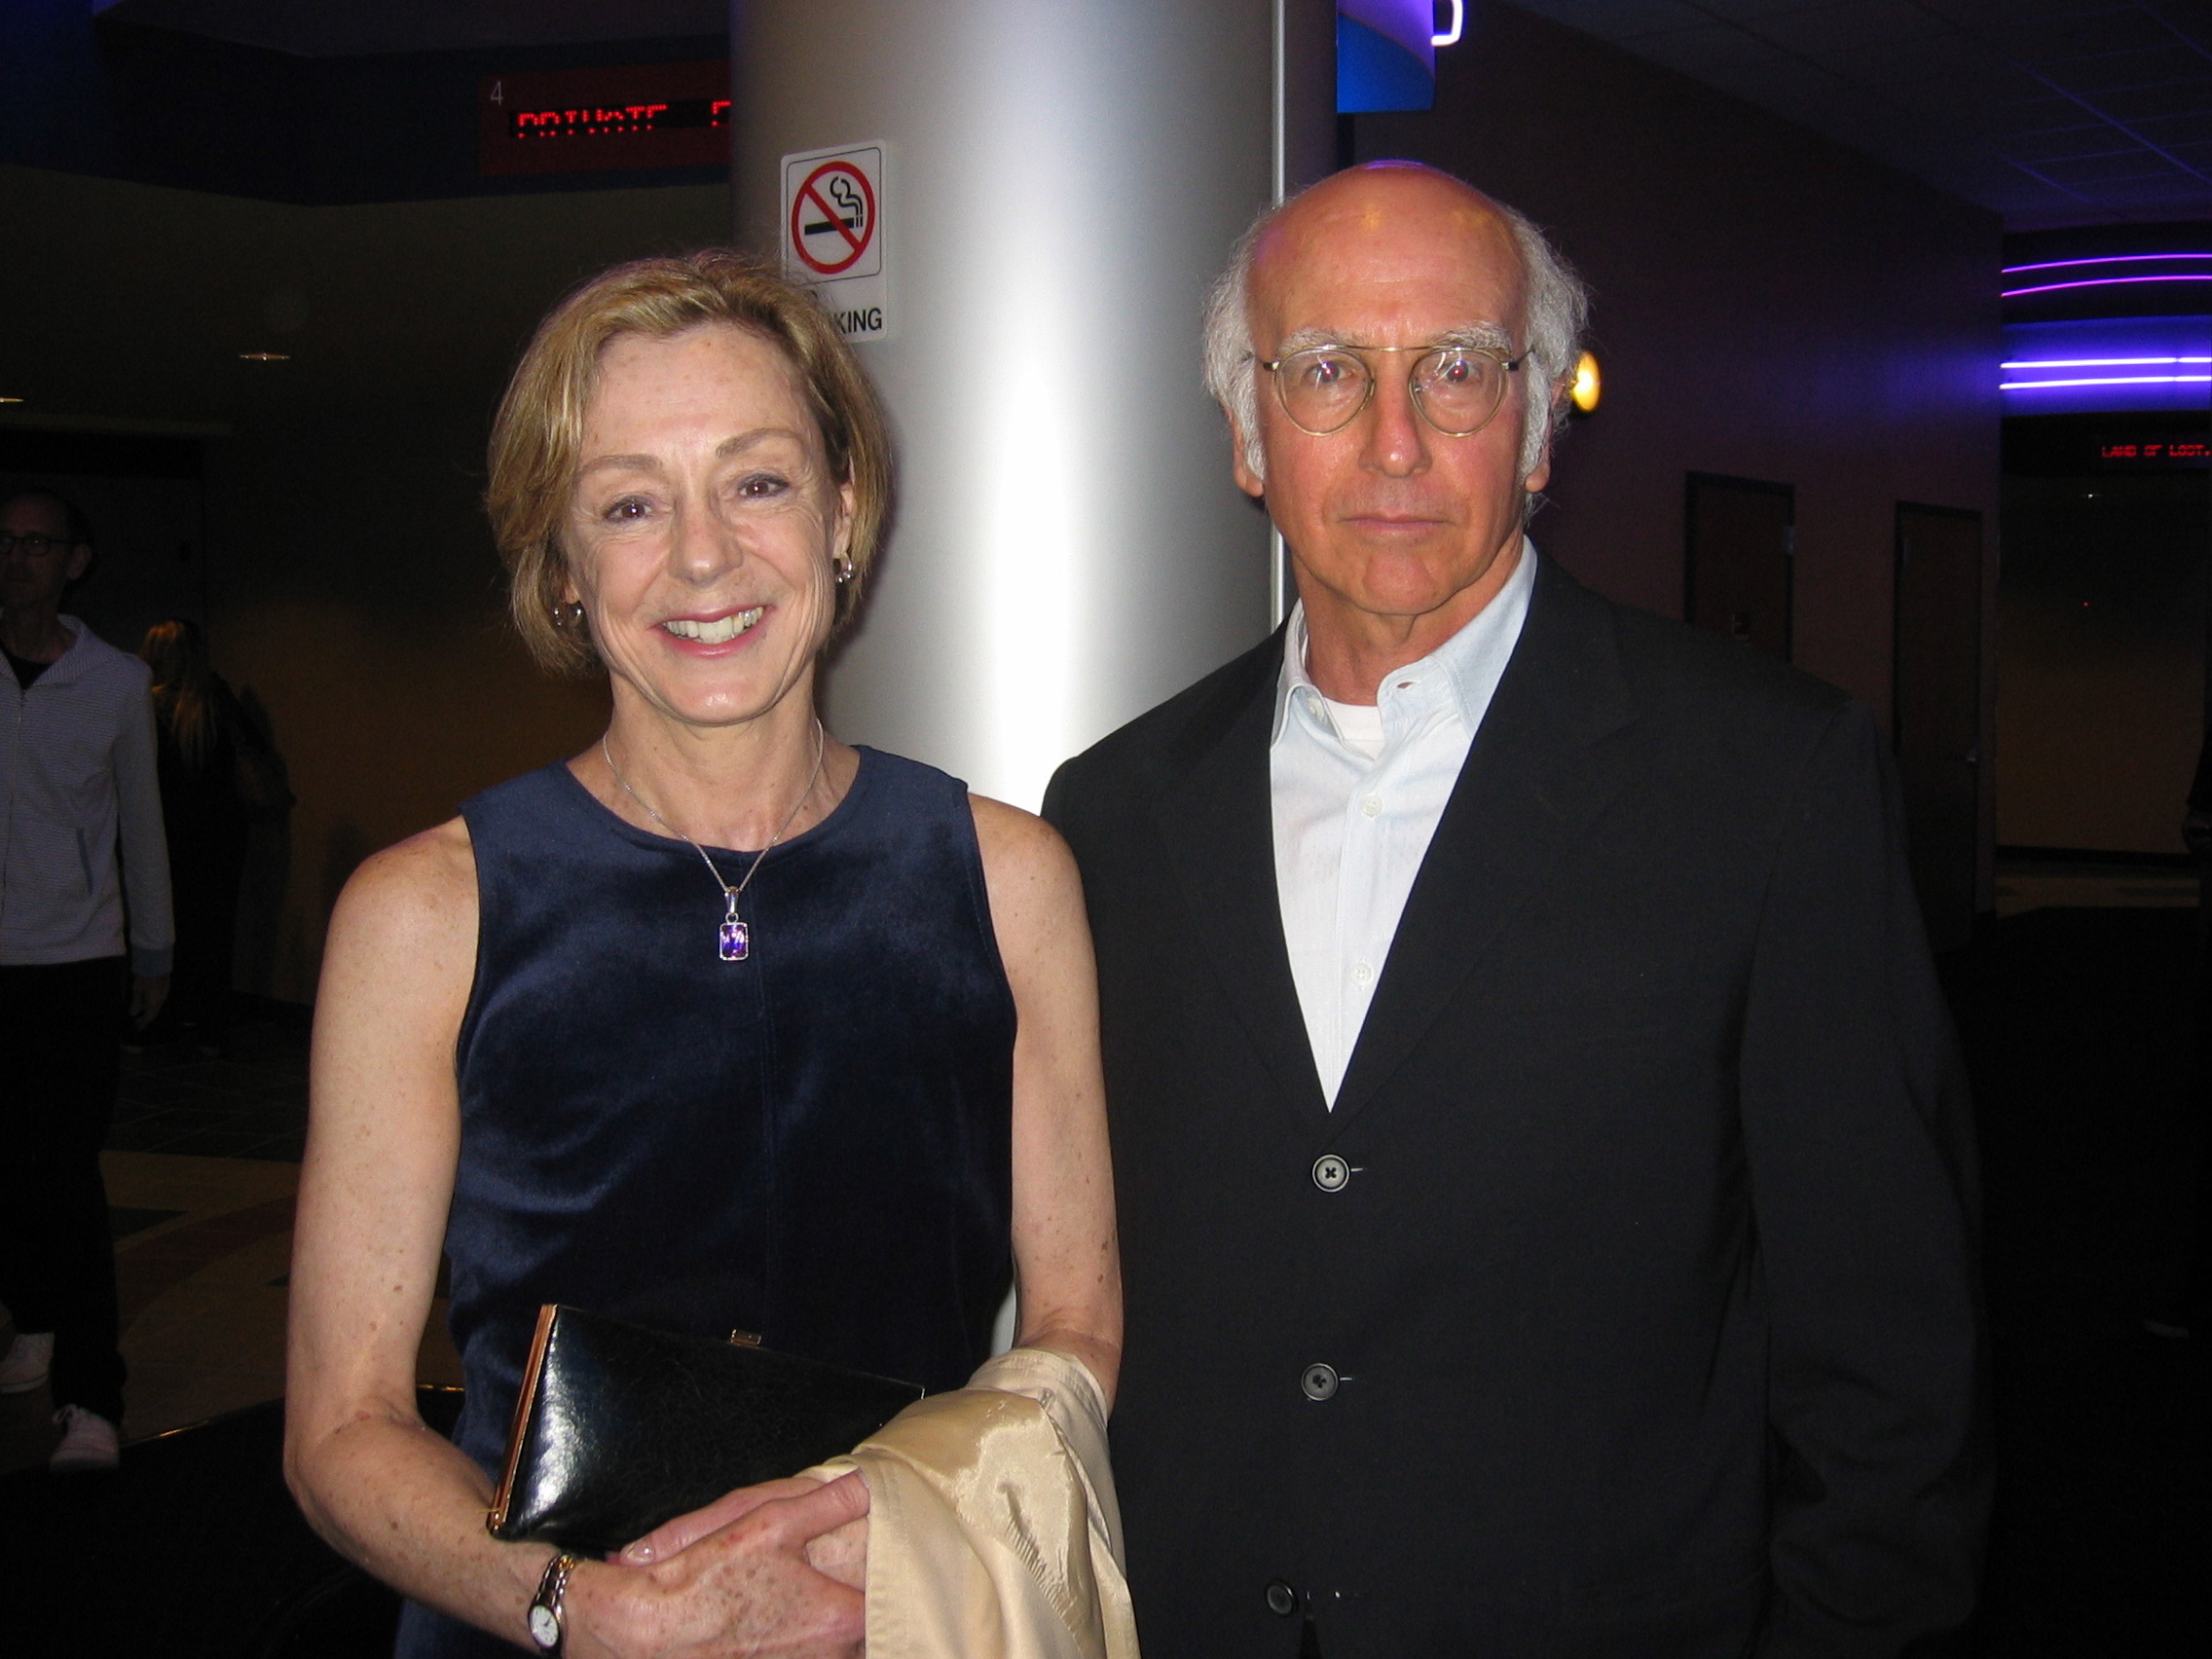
(355,28)
(2052,112)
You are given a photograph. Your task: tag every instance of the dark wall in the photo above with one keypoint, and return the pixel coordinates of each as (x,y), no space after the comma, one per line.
(349,581)
(1769,305)
(2103,607)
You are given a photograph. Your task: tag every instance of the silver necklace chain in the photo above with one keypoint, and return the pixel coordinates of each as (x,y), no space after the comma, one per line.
(735,938)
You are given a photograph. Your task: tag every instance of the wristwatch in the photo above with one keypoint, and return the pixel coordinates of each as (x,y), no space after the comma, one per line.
(546,1627)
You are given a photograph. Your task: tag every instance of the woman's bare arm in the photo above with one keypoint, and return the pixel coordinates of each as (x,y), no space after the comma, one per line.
(385,1490)
(384,1134)
(1067,1263)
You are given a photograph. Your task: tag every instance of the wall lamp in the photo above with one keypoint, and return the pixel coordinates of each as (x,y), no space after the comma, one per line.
(1589,383)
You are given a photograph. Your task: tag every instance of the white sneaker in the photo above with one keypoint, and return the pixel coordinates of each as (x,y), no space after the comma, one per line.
(87,1442)
(28,1357)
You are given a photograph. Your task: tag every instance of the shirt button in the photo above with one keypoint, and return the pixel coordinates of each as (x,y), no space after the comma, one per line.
(1331,1172)
(1320,1382)
(1361,973)
(1282,1600)
(1371,806)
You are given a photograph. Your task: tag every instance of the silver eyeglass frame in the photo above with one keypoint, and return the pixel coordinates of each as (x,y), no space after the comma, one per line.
(1511,365)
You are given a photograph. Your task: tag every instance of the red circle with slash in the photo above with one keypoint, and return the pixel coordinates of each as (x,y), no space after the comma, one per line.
(813,215)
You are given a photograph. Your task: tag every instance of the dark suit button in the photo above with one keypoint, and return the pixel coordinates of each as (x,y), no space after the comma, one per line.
(1331,1172)
(1320,1382)
(1282,1599)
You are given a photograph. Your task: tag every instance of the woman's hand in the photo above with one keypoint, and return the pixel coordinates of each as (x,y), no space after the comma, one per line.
(745,1586)
(840,1554)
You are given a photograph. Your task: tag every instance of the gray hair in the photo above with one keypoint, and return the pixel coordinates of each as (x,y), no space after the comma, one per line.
(1557,302)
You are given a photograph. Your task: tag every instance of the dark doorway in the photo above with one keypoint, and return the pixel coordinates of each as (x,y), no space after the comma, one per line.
(1935,700)
(1738,537)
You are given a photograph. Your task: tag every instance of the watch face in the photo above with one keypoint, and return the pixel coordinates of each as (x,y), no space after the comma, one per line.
(545,1628)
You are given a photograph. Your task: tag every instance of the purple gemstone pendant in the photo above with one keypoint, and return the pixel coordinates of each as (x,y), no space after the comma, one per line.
(737,940)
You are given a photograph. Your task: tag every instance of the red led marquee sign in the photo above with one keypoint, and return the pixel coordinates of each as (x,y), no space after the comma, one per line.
(638,114)
(2123,455)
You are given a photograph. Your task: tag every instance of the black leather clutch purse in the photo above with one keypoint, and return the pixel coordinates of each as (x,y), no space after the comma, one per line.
(618,1428)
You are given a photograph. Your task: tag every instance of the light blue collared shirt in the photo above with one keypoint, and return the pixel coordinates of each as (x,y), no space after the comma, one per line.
(1356,793)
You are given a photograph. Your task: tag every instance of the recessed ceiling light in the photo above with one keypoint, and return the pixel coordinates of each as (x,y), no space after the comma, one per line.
(265,356)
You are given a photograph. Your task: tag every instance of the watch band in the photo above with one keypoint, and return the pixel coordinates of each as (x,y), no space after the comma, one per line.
(548,1628)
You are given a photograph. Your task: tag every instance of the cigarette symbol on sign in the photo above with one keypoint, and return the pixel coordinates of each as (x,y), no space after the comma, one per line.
(852,212)
(832,218)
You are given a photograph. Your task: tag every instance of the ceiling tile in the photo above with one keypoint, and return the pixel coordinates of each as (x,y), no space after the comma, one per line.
(1618,20)
(1997,84)
(1942,60)
(2113,71)
(2149,103)
(1964,113)
(1750,10)
(1994,17)
(2167,130)
(1853,23)
(2192,19)
(1782,80)
(2066,143)
(1716,45)
(2197,157)
(2138,164)
(2089,34)
(2189,200)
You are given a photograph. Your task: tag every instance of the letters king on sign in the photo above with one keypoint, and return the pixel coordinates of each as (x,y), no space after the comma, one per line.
(833,234)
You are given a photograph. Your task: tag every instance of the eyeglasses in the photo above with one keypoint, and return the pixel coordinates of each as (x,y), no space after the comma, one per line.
(34,544)
(1457,388)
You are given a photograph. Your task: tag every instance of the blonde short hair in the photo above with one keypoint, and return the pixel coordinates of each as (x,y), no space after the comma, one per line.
(537,435)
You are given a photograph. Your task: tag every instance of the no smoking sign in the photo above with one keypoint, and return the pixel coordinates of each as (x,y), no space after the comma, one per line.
(833,234)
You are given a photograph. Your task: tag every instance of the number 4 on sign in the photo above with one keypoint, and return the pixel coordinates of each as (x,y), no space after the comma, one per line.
(498,93)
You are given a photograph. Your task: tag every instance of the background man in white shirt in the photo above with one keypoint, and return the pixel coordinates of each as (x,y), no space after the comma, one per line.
(1545,1181)
(77,784)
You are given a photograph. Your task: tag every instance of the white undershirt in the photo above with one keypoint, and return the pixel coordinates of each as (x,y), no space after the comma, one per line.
(1356,793)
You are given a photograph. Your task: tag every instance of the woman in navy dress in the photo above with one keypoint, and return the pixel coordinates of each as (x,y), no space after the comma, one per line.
(719,1026)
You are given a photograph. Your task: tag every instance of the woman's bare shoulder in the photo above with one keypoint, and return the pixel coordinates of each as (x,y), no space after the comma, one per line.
(419,893)
(1019,844)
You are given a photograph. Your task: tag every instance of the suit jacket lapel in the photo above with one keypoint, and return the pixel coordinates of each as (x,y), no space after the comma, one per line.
(1217,823)
(1534,775)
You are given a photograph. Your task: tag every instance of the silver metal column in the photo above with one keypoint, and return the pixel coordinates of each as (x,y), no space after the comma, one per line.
(1061,179)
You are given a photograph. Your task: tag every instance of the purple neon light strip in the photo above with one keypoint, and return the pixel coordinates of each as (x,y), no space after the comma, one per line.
(2104,259)
(2108,380)
(2099,362)
(2103,283)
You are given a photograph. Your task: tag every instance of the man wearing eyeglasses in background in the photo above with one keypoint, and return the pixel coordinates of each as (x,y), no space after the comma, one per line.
(1545,1178)
(77,780)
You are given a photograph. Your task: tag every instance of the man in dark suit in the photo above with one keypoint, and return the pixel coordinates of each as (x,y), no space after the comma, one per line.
(1546,1189)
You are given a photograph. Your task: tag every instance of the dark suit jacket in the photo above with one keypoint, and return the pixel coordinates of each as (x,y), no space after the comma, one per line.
(1652,1287)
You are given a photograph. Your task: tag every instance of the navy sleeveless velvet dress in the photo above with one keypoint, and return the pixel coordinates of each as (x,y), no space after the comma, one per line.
(813,1143)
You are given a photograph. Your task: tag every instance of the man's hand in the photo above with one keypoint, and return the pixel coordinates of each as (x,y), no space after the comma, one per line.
(744,1587)
(147,994)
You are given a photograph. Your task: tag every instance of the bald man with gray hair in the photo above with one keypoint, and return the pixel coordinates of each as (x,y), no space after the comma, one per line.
(1546,1183)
